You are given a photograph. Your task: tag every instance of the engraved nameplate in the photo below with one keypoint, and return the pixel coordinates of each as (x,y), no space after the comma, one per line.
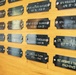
(16,11)
(14,51)
(65,62)
(2,37)
(42,23)
(2,2)
(65,42)
(2,49)
(15,25)
(37,56)
(11,1)
(65,22)
(2,25)
(65,4)
(41,6)
(37,39)
(15,38)
(2,13)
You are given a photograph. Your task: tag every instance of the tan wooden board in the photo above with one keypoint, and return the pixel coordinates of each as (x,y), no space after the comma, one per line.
(10,65)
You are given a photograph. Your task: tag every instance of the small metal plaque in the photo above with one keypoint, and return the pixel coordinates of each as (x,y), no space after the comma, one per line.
(14,51)
(39,6)
(42,23)
(65,4)
(16,11)
(37,56)
(15,38)
(65,22)
(2,25)
(2,13)
(65,42)
(2,37)
(2,2)
(65,62)
(15,25)
(11,1)
(2,49)
(37,39)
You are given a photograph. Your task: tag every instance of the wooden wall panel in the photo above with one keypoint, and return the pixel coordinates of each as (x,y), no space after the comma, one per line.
(10,65)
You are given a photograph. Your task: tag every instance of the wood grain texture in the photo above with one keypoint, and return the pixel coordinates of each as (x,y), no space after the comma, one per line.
(10,65)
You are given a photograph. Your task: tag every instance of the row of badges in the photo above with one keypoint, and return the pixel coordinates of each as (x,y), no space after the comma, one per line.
(42,57)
